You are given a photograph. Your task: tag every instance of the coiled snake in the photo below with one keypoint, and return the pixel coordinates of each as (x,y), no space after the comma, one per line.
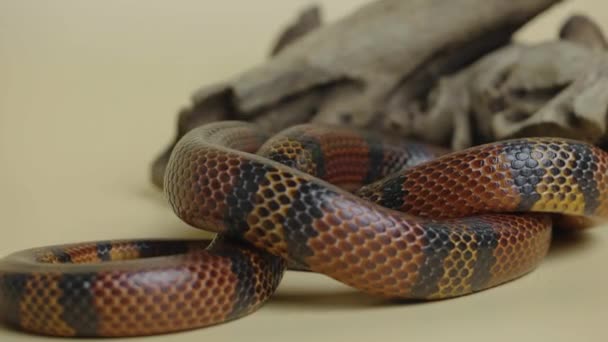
(440,229)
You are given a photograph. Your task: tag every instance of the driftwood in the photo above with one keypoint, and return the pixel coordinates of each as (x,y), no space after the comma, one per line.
(442,71)
(581,30)
(557,88)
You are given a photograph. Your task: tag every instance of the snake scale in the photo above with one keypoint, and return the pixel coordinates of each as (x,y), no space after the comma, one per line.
(394,219)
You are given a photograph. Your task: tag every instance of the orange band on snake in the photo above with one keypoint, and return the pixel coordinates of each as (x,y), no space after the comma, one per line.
(452,225)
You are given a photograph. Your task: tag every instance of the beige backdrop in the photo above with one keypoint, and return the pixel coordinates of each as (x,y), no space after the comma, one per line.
(88,95)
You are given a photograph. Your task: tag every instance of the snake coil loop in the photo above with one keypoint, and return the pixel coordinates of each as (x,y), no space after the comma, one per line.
(395,219)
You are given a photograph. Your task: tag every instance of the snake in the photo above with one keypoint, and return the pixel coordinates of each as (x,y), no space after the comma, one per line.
(391,218)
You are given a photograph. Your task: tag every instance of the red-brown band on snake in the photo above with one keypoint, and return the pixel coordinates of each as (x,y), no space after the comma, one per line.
(436,230)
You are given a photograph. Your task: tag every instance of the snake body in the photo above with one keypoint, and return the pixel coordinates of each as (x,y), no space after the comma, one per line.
(351,205)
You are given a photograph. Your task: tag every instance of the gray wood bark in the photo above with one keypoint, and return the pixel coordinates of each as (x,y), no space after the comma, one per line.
(387,66)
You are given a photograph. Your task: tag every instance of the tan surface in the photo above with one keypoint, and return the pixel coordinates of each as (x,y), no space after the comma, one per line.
(88,94)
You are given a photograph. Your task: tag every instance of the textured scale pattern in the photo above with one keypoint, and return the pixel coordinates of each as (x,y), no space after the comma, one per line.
(420,224)
(163,286)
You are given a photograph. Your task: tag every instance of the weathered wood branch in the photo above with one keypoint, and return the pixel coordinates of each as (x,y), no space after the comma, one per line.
(556,88)
(582,30)
(382,67)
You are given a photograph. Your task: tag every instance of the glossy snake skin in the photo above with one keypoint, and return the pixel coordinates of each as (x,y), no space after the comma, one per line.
(436,230)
